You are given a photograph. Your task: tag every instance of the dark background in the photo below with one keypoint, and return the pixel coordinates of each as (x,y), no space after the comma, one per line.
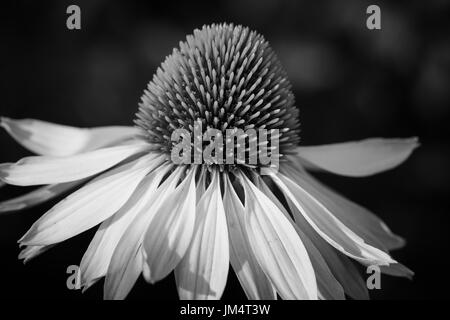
(350,83)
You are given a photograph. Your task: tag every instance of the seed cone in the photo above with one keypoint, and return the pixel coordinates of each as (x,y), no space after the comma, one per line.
(226,77)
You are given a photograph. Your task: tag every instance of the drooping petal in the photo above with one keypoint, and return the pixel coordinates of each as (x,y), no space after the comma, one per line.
(348,275)
(38,170)
(127,259)
(203,271)
(358,158)
(340,266)
(397,270)
(328,287)
(49,139)
(37,196)
(170,231)
(358,218)
(328,226)
(90,205)
(252,278)
(95,262)
(277,246)
(367,225)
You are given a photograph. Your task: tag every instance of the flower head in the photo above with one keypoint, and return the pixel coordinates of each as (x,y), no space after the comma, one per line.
(283,232)
(223,77)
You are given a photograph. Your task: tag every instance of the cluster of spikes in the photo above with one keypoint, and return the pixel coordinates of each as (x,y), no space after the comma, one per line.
(222,77)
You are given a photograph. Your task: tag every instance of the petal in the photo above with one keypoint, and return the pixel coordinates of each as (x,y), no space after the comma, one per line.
(367,225)
(397,270)
(37,196)
(252,278)
(340,266)
(45,138)
(329,288)
(203,271)
(201,185)
(127,260)
(277,246)
(359,158)
(170,232)
(38,170)
(90,205)
(348,275)
(96,260)
(30,252)
(328,226)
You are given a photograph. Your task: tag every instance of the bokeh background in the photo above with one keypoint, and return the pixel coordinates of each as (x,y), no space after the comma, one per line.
(350,83)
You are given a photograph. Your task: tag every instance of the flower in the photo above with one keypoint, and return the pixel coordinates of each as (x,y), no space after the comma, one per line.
(283,232)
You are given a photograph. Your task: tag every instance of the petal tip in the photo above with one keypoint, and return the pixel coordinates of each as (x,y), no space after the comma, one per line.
(4,122)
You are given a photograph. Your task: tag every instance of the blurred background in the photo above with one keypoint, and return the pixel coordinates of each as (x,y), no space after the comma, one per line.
(350,83)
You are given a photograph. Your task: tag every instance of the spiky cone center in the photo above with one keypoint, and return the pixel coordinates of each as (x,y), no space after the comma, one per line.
(223,77)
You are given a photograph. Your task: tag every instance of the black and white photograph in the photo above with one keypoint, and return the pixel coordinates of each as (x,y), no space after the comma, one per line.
(243,151)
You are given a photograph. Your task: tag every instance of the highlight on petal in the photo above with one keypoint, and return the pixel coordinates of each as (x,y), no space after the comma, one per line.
(328,287)
(328,226)
(49,139)
(255,283)
(37,196)
(358,158)
(90,205)
(38,170)
(203,271)
(277,246)
(127,259)
(96,260)
(169,234)
(366,224)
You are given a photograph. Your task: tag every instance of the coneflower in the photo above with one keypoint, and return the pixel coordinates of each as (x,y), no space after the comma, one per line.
(284,233)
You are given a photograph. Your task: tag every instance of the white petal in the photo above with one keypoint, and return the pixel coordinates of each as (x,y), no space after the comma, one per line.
(127,259)
(38,170)
(37,196)
(45,138)
(252,278)
(329,288)
(90,205)
(340,266)
(328,226)
(367,225)
(95,262)
(359,158)
(277,246)
(30,252)
(170,232)
(203,271)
